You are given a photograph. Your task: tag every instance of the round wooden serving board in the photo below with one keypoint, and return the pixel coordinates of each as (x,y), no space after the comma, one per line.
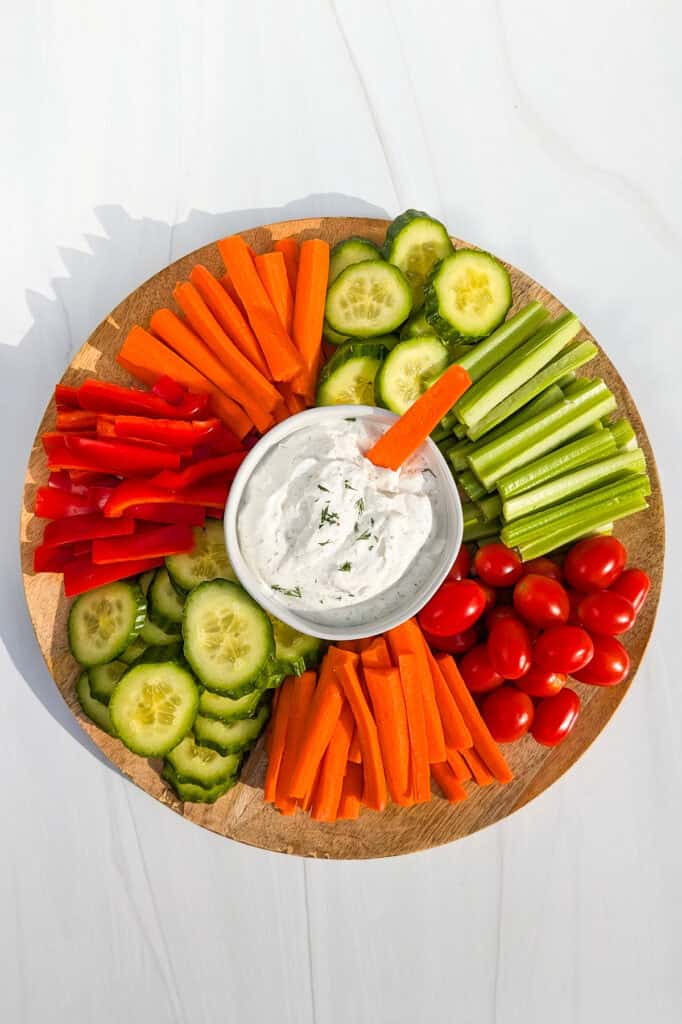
(242,814)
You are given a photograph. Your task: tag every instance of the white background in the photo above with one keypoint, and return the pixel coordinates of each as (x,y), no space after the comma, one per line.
(133,132)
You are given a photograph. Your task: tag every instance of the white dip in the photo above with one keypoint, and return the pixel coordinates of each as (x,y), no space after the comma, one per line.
(326,530)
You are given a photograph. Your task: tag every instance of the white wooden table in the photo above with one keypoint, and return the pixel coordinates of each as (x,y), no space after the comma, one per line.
(134,132)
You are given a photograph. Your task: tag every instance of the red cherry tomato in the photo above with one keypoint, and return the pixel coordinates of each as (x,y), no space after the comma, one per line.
(509,648)
(594,563)
(555,717)
(459,569)
(490,596)
(609,665)
(458,643)
(564,649)
(538,682)
(633,585)
(477,671)
(574,599)
(541,601)
(500,611)
(606,612)
(543,567)
(508,713)
(497,565)
(456,606)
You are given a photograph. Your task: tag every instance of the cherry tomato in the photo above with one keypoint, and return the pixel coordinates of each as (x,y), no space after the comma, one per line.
(477,672)
(594,563)
(609,665)
(459,569)
(508,713)
(541,601)
(497,565)
(490,596)
(633,585)
(509,648)
(538,682)
(453,608)
(555,717)
(564,649)
(543,567)
(574,599)
(500,611)
(606,612)
(458,643)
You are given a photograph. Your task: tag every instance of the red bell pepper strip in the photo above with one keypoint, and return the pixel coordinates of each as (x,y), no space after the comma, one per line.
(173,512)
(52,503)
(172,433)
(156,542)
(52,441)
(142,492)
(98,396)
(169,390)
(221,443)
(47,559)
(81,480)
(215,513)
(60,480)
(222,464)
(80,528)
(76,419)
(82,574)
(66,397)
(96,455)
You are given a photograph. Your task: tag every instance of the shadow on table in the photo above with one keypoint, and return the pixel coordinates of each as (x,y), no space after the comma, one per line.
(128,252)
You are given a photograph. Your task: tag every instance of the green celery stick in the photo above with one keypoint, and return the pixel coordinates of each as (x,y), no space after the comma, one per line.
(471,486)
(480,530)
(580,452)
(490,507)
(508,336)
(623,434)
(597,521)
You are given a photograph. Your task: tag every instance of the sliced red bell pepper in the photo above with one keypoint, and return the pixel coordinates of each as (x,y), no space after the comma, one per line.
(99,396)
(172,433)
(66,396)
(156,542)
(60,480)
(48,559)
(215,513)
(81,480)
(98,456)
(221,443)
(143,492)
(221,464)
(173,512)
(52,440)
(169,390)
(82,574)
(52,503)
(76,419)
(87,527)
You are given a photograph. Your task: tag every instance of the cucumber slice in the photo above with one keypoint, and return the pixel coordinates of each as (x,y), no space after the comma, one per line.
(348,377)
(332,336)
(402,378)
(415,242)
(165,604)
(103,622)
(415,326)
(132,653)
(94,709)
(294,652)
(201,766)
(468,295)
(153,635)
(145,581)
(189,792)
(206,561)
(351,250)
(228,638)
(103,679)
(161,652)
(271,676)
(233,737)
(153,706)
(368,299)
(225,709)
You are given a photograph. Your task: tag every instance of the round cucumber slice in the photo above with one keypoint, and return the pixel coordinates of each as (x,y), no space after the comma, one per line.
(351,250)
(227,709)
(206,561)
(368,299)
(469,295)
(94,709)
(407,369)
(190,792)
(103,679)
(230,737)
(228,637)
(132,653)
(165,604)
(415,326)
(415,242)
(294,652)
(201,766)
(153,635)
(105,621)
(332,336)
(145,581)
(348,377)
(153,706)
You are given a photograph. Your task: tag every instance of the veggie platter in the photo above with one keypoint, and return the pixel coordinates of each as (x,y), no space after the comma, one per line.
(438,726)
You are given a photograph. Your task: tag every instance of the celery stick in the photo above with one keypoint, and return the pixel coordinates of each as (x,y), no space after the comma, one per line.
(479,530)
(573,357)
(459,430)
(508,336)
(577,482)
(490,507)
(623,434)
(599,520)
(471,515)
(580,452)
(440,434)
(516,369)
(471,486)
(457,455)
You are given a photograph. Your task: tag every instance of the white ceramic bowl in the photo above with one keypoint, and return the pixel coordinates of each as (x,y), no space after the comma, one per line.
(447,537)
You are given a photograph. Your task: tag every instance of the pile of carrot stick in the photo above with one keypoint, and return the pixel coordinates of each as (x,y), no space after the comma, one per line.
(380,720)
(251,339)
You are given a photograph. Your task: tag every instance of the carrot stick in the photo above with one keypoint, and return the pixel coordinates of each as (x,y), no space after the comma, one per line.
(420,789)
(407,639)
(302,694)
(458,764)
(289,249)
(147,359)
(453,790)
(483,742)
(377,654)
(355,754)
(319,727)
(294,403)
(479,772)
(403,438)
(454,727)
(351,794)
(184,341)
(388,704)
(278,348)
(226,282)
(273,273)
(280,724)
(330,783)
(206,327)
(311,295)
(229,316)
(344,664)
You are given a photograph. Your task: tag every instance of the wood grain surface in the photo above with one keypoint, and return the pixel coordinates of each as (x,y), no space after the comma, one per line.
(242,814)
